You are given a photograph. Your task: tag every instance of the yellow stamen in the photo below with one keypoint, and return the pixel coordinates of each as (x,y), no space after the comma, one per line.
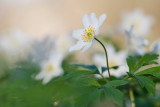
(49,68)
(88,34)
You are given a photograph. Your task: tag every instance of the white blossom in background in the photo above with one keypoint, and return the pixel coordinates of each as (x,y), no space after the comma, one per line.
(155,48)
(15,44)
(115,59)
(50,68)
(41,49)
(86,35)
(64,42)
(141,23)
(136,44)
(50,56)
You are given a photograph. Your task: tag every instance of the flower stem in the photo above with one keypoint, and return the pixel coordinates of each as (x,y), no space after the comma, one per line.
(106,57)
(103,77)
(132,97)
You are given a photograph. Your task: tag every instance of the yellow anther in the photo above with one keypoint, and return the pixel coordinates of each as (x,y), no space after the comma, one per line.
(88,34)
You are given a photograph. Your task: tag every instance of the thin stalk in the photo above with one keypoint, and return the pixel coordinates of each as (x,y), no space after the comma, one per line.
(106,57)
(132,97)
(103,77)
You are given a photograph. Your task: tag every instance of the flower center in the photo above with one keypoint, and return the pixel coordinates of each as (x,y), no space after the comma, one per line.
(49,68)
(88,34)
(135,25)
(113,63)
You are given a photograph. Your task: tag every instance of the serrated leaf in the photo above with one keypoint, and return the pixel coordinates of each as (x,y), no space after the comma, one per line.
(131,61)
(154,71)
(152,62)
(90,67)
(116,83)
(146,59)
(114,94)
(147,83)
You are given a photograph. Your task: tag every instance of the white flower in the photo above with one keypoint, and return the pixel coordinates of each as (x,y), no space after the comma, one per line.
(64,42)
(115,59)
(52,59)
(136,44)
(141,23)
(86,35)
(51,68)
(15,44)
(41,49)
(155,48)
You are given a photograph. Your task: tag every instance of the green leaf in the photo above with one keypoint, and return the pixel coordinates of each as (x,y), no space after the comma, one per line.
(116,83)
(114,94)
(114,67)
(87,97)
(147,83)
(105,68)
(90,67)
(131,61)
(130,74)
(87,81)
(78,73)
(152,62)
(154,71)
(146,59)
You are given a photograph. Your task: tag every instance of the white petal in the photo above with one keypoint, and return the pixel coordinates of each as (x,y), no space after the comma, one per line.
(86,21)
(87,47)
(78,46)
(97,31)
(40,76)
(94,20)
(101,19)
(47,79)
(77,33)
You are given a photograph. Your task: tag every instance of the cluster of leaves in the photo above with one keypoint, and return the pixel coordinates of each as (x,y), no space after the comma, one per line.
(76,88)
(81,89)
(139,70)
(144,77)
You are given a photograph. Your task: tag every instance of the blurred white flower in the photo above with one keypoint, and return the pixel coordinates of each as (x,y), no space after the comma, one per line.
(64,42)
(155,48)
(15,45)
(51,68)
(41,49)
(49,55)
(136,44)
(141,23)
(86,35)
(115,59)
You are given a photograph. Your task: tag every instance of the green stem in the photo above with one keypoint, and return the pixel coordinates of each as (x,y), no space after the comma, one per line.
(103,77)
(132,97)
(106,57)
(125,78)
